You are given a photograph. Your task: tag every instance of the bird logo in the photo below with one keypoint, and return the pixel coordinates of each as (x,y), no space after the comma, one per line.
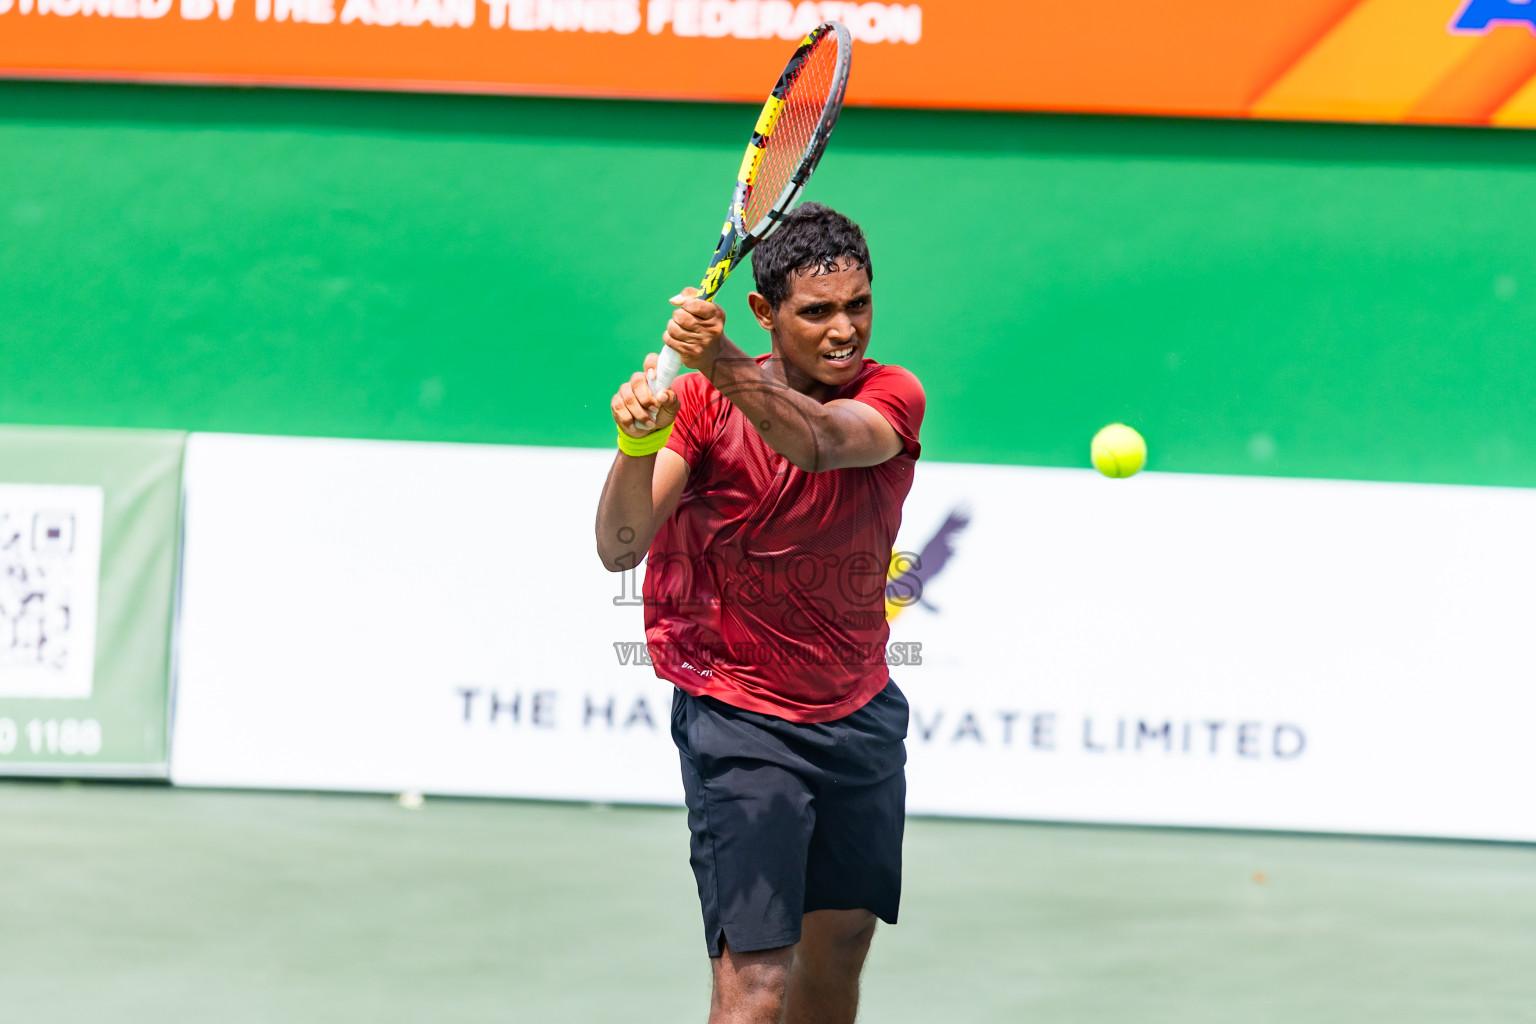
(909,575)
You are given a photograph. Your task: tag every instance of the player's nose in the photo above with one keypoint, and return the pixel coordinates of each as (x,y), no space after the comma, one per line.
(841,328)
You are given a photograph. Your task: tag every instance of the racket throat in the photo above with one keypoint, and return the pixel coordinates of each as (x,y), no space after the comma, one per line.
(722,263)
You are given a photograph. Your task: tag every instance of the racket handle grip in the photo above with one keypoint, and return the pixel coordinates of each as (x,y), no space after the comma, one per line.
(668,365)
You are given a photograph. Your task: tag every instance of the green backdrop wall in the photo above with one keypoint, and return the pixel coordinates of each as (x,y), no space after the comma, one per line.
(1311,300)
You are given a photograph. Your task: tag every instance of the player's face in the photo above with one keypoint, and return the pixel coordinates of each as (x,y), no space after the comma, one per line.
(822,327)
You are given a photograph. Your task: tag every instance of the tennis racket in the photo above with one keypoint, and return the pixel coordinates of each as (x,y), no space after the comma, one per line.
(787,142)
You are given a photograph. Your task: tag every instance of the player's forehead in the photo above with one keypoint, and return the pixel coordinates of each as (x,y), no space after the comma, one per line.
(817,284)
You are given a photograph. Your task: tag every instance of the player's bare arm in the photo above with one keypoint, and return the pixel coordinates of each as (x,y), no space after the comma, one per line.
(820,333)
(641,490)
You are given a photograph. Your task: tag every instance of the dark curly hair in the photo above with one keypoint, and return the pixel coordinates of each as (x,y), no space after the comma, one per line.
(813,238)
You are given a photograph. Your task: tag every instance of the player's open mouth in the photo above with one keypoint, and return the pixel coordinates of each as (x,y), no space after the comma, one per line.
(839,355)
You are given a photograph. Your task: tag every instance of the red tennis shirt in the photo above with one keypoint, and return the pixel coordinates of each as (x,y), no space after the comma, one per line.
(766,588)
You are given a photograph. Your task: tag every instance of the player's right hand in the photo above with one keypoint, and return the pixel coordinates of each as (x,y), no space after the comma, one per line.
(636,410)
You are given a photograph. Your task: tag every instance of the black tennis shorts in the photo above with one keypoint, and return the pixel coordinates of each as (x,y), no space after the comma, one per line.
(789,817)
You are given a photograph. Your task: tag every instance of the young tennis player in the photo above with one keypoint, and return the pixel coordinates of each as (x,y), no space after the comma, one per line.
(767,492)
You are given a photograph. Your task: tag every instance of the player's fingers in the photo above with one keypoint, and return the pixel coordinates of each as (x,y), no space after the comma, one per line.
(642,419)
(622,409)
(642,389)
(651,360)
(683,296)
(643,415)
(628,396)
(679,337)
(621,414)
(701,331)
(703,310)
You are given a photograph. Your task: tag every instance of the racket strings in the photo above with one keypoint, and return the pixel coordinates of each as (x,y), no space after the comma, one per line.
(805,100)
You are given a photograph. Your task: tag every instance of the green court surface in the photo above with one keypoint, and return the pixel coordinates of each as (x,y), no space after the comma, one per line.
(134,904)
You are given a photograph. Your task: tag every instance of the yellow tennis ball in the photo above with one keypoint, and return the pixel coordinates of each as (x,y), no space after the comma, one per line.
(1118,451)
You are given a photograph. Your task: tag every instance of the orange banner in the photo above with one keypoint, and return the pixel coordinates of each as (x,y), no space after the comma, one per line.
(1448,61)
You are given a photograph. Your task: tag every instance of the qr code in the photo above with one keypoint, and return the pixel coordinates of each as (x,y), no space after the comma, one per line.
(50,562)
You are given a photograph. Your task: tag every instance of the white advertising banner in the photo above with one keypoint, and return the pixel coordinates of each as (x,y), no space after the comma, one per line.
(387,616)
(1170,649)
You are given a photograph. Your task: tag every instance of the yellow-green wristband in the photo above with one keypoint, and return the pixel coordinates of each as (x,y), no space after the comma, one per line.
(650,444)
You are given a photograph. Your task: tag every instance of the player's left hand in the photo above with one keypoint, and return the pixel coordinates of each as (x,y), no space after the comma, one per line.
(695,329)
(637,409)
